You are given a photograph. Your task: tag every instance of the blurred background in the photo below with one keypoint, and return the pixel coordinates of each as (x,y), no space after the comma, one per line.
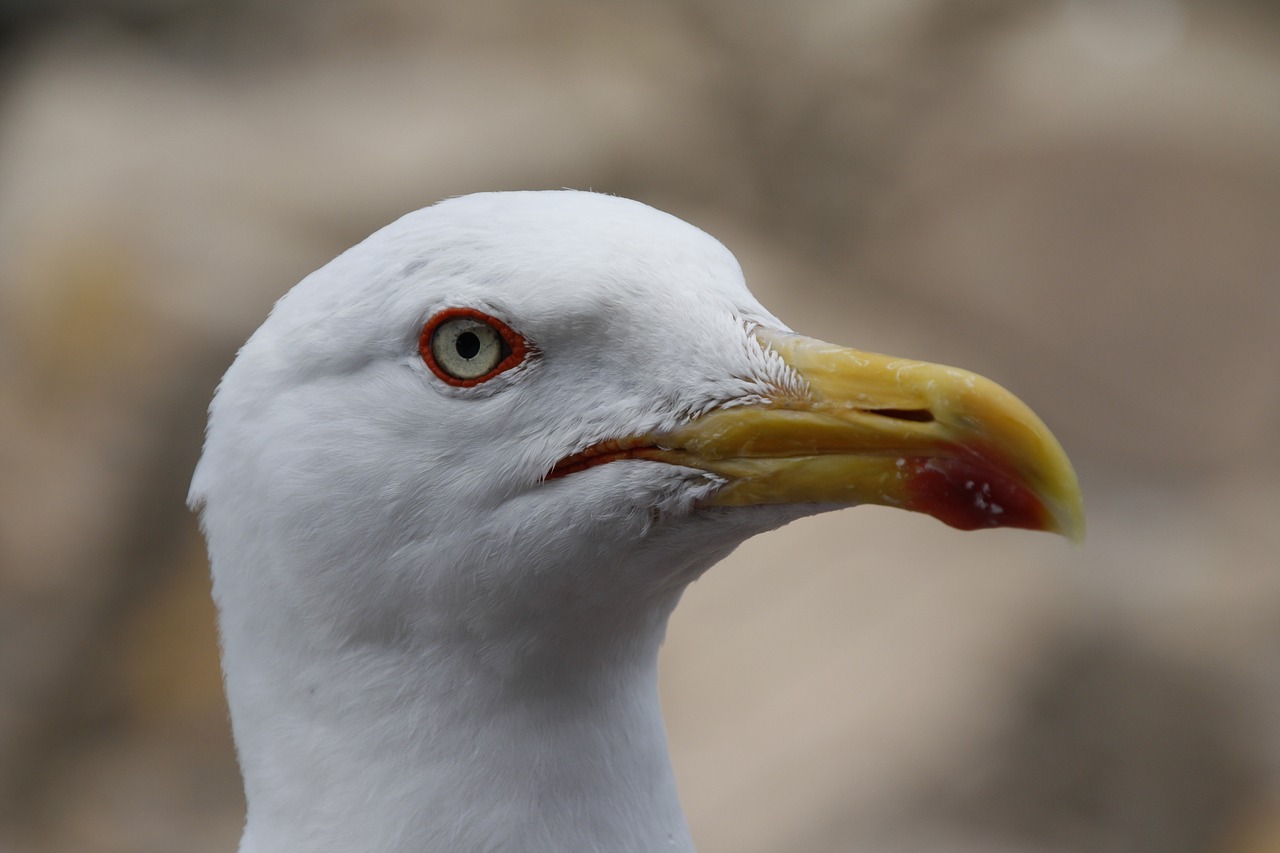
(1077,198)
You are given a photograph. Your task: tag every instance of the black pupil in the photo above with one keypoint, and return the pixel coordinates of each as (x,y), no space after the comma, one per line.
(468,344)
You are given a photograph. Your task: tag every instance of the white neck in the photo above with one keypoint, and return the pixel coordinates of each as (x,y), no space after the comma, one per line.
(418,743)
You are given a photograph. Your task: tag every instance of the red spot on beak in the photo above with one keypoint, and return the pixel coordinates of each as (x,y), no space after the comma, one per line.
(970,494)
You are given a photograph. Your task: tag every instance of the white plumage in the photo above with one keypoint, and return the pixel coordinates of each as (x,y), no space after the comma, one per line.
(430,645)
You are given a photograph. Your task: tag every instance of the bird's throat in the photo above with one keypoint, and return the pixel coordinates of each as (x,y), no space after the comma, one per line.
(426,748)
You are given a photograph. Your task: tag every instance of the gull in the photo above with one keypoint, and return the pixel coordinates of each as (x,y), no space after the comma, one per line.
(455,484)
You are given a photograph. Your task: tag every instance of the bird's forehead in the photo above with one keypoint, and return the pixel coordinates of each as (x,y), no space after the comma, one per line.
(575,252)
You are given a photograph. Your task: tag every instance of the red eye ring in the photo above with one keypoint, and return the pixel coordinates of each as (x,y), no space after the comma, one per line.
(513,347)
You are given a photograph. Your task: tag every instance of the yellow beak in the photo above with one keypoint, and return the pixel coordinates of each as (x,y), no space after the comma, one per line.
(882,430)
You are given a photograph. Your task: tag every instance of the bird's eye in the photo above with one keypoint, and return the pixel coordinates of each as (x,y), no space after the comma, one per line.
(465,347)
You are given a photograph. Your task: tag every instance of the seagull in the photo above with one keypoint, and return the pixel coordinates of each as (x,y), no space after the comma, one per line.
(455,484)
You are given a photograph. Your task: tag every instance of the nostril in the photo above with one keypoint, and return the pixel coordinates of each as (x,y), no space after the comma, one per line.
(923,416)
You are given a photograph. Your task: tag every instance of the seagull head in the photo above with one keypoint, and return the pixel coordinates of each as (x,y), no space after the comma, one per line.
(512,427)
